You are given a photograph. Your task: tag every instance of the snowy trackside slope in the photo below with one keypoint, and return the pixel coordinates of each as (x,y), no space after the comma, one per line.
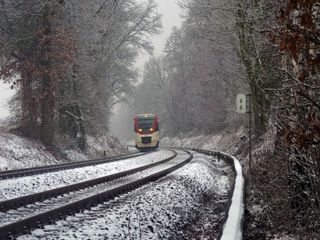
(228,142)
(232,228)
(18,152)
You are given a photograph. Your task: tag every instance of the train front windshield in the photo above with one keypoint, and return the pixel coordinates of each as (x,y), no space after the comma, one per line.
(146,127)
(145,123)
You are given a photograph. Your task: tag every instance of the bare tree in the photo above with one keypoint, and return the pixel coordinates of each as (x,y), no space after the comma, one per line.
(110,34)
(38,49)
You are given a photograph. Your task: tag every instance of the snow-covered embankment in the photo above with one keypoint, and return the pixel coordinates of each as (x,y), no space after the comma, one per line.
(232,227)
(20,152)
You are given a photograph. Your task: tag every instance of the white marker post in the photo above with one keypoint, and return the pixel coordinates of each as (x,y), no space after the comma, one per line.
(242,103)
(244,106)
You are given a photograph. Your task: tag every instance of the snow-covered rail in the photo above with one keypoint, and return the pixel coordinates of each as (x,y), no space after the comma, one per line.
(233,224)
(55,209)
(32,198)
(52,168)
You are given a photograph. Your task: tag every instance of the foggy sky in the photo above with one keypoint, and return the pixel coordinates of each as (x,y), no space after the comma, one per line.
(170,12)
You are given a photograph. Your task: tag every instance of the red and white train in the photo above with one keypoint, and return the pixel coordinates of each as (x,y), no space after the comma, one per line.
(146,128)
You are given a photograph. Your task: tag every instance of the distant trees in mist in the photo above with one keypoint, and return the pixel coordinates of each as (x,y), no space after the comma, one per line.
(193,84)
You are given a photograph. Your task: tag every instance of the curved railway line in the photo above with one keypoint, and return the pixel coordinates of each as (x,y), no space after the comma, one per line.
(52,168)
(25,213)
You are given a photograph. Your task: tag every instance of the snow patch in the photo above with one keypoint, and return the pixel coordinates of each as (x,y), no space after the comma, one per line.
(74,155)
(98,146)
(227,142)
(18,152)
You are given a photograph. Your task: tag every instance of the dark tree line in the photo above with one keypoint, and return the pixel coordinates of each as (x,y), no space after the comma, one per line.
(279,47)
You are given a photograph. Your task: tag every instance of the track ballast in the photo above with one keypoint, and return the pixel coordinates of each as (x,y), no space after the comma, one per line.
(70,199)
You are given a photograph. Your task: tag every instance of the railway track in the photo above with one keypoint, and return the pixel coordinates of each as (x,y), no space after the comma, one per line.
(23,214)
(52,168)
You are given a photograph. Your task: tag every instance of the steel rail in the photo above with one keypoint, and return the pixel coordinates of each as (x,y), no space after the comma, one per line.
(52,168)
(27,224)
(32,198)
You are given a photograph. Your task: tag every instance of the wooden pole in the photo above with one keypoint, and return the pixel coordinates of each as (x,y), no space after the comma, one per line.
(250,134)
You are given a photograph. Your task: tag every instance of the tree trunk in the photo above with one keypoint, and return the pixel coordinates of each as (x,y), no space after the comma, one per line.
(47,90)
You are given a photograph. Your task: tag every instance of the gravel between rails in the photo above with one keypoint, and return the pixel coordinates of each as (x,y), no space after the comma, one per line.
(186,204)
(13,188)
(52,168)
(98,196)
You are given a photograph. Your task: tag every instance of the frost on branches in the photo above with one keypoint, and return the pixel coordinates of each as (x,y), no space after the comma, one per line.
(39,50)
(298,37)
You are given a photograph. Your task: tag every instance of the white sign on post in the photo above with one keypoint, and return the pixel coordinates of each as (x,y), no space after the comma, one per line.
(242,103)
(244,106)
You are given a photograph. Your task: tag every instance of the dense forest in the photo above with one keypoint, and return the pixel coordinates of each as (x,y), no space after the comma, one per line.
(71,61)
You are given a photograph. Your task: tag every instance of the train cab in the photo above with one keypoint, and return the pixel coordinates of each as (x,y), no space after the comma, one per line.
(146,128)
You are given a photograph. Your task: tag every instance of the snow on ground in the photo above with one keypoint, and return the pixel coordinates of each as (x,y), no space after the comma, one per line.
(229,143)
(284,237)
(17,152)
(157,211)
(83,193)
(97,145)
(12,188)
(226,142)
(5,94)
(235,142)
(187,204)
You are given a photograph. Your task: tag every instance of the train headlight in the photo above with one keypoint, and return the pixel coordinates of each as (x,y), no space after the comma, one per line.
(140,130)
(151,129)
